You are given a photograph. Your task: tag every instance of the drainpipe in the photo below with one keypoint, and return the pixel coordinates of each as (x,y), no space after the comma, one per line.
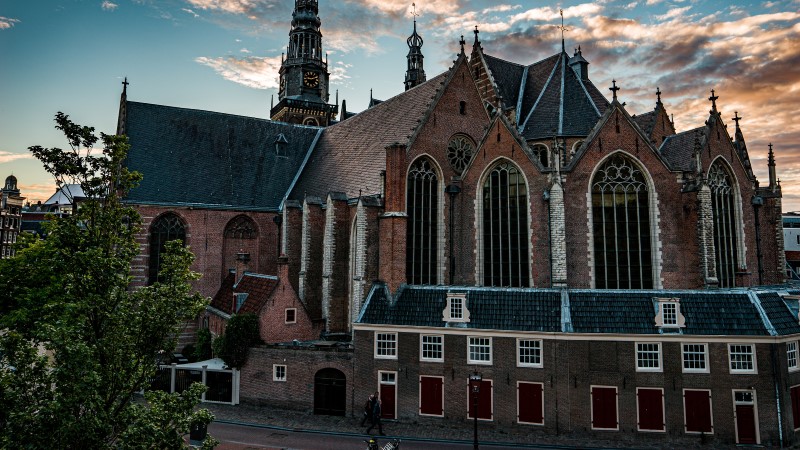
(452,190)
(758,202)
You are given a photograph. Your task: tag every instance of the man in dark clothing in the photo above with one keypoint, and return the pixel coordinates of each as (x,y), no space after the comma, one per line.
(376,416)
(368,410)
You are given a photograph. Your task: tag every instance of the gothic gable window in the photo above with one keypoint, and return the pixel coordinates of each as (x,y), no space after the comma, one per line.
(422,229)
(541,152)
(621,226)
(724,218)
(459,152)
(167,227)
(240,235)
(241,227)
(505,227)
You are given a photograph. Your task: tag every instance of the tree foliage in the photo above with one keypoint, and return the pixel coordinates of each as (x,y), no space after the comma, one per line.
(76,344)
(241,333)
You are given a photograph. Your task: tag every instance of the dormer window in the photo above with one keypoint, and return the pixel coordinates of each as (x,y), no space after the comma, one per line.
(280,145)
(668,314)
(456,308)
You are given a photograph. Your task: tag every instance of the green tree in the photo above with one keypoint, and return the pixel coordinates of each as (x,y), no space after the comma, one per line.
(76,344)
(241,333)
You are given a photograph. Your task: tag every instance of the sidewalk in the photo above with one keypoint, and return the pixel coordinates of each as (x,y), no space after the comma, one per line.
(425,429)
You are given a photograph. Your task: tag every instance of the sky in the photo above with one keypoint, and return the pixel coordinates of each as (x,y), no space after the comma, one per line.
(224,55)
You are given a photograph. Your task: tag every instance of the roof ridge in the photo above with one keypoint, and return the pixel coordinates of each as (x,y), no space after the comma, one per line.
(217,113)
(505,60)
(541,94)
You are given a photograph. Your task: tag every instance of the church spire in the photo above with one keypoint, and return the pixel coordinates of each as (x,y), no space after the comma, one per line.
(415,74)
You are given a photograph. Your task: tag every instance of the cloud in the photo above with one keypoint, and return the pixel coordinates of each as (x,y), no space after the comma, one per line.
(244,50)
(189,11)
(36,192)
(108,6)
(251,71)
(9,156)
(7,22)
(673,13)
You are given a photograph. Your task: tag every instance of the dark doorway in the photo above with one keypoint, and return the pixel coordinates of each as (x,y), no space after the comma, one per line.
(330,393)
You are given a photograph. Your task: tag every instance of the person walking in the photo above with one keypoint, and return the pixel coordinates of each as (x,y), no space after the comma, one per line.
(368,410)
(376,416)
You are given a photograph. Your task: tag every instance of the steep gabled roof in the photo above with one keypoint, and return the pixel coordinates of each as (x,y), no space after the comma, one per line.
(257,287)
(210,159)
(508,76)
(678,149)
(351,154)
(646,121)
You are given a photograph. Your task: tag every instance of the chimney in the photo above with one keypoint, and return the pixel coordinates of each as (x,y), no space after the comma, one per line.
(242,265)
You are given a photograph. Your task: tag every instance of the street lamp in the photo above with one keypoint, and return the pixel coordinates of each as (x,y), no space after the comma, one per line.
(475,385)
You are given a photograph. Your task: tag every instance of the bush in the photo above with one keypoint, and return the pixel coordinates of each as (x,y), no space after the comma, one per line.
(241,333)
(202,350)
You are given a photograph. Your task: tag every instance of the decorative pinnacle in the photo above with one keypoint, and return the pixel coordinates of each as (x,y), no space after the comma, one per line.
(713,99)
(736,118)
(462,42)
(614,88)
(771,158)
(658,94)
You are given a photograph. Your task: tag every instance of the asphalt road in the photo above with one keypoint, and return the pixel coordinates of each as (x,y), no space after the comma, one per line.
(243,437)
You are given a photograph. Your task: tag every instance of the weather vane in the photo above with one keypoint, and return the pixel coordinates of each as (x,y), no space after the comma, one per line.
(562,27)
(414,11)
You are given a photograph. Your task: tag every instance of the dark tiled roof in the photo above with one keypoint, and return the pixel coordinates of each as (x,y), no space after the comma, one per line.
(538,73)
(508,77)
(646,121)
(678,149)
(490,308)
(257,287)
(351,154)
(781,317)
(707,313)
(212,159)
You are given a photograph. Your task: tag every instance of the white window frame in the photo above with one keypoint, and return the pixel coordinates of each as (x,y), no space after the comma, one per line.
(422,344)
(705,358)
(639,368)
(286,315)
(275,375)
(754,402)
(663,411)
(752,347)
(419,403)
(469,351)
(393,382)
(669,318)
(543,411)
(791,355)
(384,353)
(456,302)
(520,363)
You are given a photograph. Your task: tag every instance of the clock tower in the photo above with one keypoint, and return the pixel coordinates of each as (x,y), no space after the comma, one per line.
(303,93)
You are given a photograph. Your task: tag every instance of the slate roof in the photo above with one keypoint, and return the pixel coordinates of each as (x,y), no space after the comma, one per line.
(542,114)
(210,159)
(490,308)
(678,149)
(257,287)
(646,121)
(707,313)
(350,155)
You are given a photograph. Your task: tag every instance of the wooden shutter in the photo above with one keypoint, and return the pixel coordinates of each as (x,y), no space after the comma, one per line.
(795,394)
(484,401)
(651,409)
(604,408)
(697,406)
(430,401)
(529,402)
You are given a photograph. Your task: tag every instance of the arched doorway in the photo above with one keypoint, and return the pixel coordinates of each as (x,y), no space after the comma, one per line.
(330,392)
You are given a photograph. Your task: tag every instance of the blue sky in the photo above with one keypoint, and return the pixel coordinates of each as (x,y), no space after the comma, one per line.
(223,55)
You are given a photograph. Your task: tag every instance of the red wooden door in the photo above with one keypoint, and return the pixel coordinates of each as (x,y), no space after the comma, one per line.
(388,396)
(529,401)
(746,424)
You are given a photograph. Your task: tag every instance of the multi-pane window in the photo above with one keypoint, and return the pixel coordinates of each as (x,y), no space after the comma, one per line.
(479,350)
(168,227)
(742,357)
(431,347)
(725,228)
(505,227)
(422,230)
(621,226)
(669,314)
(456,308)
(386,345)
(529,352)
(694,358)
(278,372)
(648,356)
(791,354)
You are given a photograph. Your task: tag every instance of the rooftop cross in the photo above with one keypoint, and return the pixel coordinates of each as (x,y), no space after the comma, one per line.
(125,85)
(713,99)
(614,88)
(658,94)
(736,118)
(462,42)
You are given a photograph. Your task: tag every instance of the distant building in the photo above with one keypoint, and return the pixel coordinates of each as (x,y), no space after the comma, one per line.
(10,216)
(791,244)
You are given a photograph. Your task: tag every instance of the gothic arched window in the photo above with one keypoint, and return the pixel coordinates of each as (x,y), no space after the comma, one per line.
(621,226)
(167,227)
(241,227)
(505,227)
(723,207)
(541,152)
(422,206)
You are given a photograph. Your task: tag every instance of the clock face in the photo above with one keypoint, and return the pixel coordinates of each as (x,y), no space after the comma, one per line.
(311,79)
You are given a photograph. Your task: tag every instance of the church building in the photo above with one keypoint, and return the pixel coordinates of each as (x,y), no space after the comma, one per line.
(504,217)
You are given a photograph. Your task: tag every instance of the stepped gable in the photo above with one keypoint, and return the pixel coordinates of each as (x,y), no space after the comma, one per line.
(257,287)
(490,308)
(508,76)
(678,149)
(646,121)
(351,154)
(200,158)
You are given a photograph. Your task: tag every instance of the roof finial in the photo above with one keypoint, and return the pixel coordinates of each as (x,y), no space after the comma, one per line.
(614,88)
(736,118)
(462,42)
(563,29)
(477,42)
(658,95)
(713,99)
(125,86)
(370,96)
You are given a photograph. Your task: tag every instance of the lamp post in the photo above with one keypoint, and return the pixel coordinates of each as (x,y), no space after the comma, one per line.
(475,384)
